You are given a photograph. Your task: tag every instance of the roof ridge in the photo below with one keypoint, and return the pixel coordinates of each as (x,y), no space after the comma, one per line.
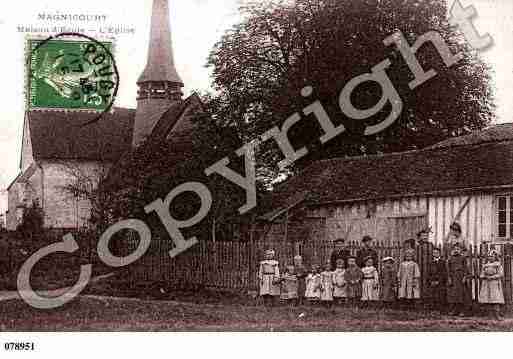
(498,124)
(39,110)
(425,149)
(393,154)
(477,144)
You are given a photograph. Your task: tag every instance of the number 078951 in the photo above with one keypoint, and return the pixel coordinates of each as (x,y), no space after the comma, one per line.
(19,346)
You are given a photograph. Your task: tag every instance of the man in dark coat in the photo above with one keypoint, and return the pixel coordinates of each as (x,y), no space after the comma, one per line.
(366,251)
(410,243)
(454,237)
(340,252)
(423,240)
(436,295)
(457,276)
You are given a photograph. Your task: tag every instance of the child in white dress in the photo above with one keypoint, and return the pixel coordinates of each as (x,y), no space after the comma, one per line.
(409,280)
(269,278)
(313,285)
(370,282)
(327,285)
(339,282)
(491,293)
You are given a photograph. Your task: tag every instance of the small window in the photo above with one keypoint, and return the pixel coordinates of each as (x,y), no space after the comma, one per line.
(504,217)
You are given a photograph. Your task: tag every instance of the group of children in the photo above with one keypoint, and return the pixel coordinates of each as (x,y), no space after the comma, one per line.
(447,281)
(346,283)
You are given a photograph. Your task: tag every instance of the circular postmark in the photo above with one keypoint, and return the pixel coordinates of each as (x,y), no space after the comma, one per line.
(72,72)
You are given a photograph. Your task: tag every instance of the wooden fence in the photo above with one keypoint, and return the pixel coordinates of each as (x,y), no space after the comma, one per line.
(234,265)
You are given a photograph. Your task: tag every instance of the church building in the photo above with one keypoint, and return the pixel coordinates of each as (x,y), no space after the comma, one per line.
(59,155)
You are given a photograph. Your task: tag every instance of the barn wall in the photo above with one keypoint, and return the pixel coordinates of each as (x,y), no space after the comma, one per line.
(356,210)
(476,220)
(387,221)
(395,220)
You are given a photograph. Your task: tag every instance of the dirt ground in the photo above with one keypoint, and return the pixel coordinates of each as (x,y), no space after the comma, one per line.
(96,313)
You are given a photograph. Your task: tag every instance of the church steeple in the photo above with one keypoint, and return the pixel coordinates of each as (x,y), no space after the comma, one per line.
(161,64)
(159,85)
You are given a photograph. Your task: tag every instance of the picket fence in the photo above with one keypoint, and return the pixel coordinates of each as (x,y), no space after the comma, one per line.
(233,266)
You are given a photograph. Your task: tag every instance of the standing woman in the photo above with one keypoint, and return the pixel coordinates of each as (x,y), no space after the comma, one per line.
(491,293)
(436,294)
(340,252)
(365,252)
(388,282)
(301,273)
(454,237)
(457,276)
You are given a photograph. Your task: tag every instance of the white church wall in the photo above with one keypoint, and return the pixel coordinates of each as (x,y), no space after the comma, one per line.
(12,220)
(63,209)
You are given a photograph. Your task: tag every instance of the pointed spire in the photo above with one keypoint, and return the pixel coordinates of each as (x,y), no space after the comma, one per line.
(160,86)
(160,66)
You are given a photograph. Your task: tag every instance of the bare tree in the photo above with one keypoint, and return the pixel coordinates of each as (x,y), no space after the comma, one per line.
(83,185)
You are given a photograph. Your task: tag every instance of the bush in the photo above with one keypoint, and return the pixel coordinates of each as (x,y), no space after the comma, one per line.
(32,222)
(54,271)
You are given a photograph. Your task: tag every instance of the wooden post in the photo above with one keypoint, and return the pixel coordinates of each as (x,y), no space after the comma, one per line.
(474,265)
(203,263)
(250,253)
(286,225)
(508,275)
(214,229)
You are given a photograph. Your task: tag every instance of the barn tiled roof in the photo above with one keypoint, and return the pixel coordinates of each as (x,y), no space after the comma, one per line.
(429,171)
(61,135)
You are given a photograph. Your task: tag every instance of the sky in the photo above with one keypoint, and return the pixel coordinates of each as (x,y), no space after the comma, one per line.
(196,25)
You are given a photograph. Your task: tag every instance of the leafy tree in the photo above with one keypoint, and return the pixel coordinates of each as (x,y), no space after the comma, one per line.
(159,165)
(261,64)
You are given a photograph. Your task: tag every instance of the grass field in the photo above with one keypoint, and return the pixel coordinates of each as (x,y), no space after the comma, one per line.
(94,313)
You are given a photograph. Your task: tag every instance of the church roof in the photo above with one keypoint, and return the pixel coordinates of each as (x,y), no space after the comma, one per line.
(177,121)
(441,170)
(62,135)
(176,128)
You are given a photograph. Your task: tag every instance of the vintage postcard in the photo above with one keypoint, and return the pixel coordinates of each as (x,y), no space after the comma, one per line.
(270,165)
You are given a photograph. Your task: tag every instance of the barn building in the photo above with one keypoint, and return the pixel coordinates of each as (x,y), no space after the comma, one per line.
(57,152)
(391,197)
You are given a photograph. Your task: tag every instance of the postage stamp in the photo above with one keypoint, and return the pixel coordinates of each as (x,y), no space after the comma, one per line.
(71,71)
